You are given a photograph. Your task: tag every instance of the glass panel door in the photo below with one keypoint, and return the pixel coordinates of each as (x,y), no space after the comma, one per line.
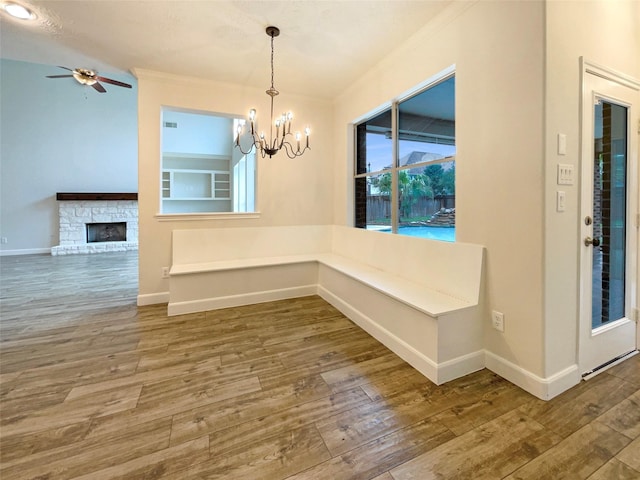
(609,212)
(609,240)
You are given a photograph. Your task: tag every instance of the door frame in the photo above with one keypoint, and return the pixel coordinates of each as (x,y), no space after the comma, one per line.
(632,291)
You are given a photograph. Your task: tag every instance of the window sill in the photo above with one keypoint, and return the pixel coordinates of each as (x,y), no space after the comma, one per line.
(183,217)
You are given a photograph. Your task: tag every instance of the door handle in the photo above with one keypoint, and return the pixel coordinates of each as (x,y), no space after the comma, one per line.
(591,241)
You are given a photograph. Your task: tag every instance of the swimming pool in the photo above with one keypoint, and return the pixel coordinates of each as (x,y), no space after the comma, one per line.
(446,234)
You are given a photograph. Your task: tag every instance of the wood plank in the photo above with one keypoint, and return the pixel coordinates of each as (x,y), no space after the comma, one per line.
(384,476)
(244,434)
(273,335)
(220,415)
(355,427)
(21,446)
(148,377)
(194,389)
(381,454)
(625,416)
(630,455)
(615,469)
(629,370)
(66,376)
(162,463)
(74,411)
(76,459)
(363,372)
(490,451)
(272,458)
(579,455)
(13,408)
(474,410)
(329,349)
(160,408)
(571,410)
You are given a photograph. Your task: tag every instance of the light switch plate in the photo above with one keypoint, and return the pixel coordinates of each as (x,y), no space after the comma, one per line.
(562,144)
(565,174)
(560,201)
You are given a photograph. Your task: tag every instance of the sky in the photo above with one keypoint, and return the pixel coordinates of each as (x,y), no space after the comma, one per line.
(379,150)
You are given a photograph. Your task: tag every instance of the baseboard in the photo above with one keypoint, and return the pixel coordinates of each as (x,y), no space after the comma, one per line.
(181,308)
(25,251)
(437,373)
(460,366)
(153,298)
(543,388)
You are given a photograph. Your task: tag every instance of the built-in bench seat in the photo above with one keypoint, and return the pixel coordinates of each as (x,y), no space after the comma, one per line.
(421,298)
(220,265)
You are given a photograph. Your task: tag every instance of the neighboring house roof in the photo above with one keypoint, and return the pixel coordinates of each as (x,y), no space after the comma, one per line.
(419,157)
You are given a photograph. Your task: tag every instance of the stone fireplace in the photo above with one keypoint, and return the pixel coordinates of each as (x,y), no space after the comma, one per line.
(97,222)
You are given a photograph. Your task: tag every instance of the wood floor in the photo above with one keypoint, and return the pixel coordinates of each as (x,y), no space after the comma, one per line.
(93,387)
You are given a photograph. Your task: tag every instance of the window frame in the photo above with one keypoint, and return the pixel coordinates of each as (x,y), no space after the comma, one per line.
(395,168)
(162,215)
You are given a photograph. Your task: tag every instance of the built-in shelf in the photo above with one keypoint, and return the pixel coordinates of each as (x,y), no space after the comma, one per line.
(204,179)
(183,184)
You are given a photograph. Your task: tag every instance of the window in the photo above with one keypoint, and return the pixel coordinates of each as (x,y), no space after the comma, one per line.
(201,170)
(405,166)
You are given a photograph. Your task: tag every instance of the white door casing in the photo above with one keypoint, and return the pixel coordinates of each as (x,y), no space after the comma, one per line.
(600,343)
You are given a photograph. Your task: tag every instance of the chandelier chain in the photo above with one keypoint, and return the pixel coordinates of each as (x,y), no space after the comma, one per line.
(272,63)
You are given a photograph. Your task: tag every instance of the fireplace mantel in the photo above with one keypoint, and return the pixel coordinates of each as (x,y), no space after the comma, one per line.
(89,196)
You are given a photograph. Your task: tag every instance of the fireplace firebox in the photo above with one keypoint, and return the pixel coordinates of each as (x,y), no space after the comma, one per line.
(107,232)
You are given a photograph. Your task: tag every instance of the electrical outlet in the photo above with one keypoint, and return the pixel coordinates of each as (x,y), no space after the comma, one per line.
(497,319)
(4,240)
(165,272)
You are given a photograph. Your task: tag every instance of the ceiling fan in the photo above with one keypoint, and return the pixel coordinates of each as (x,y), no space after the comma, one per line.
(89,77)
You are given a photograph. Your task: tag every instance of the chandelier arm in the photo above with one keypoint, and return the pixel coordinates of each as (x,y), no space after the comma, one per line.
(288,149)
(242,151)
(291,153)
(239,147)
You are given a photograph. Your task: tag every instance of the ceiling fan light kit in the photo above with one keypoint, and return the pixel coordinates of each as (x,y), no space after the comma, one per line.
(91,78)
(85,77)
(18,11)
(282,124)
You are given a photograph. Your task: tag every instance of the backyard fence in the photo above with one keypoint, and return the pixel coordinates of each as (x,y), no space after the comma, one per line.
(379,206)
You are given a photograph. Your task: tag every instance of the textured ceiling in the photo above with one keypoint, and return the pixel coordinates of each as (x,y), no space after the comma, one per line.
(323,45)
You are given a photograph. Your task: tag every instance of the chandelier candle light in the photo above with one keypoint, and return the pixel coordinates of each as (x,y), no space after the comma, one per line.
(281,140)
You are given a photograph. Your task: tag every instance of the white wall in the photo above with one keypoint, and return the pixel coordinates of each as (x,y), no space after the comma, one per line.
(58,136)
(607,33)
(498,51)
(197,133)
(289,192)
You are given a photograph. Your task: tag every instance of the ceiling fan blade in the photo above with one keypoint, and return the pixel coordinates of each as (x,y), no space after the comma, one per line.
(113,82)
(99,87)
(59,76)
(66,68)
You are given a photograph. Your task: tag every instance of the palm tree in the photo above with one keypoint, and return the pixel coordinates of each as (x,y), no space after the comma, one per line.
(411,187)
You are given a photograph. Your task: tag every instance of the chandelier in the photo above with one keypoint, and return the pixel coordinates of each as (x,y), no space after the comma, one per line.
(282,140)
